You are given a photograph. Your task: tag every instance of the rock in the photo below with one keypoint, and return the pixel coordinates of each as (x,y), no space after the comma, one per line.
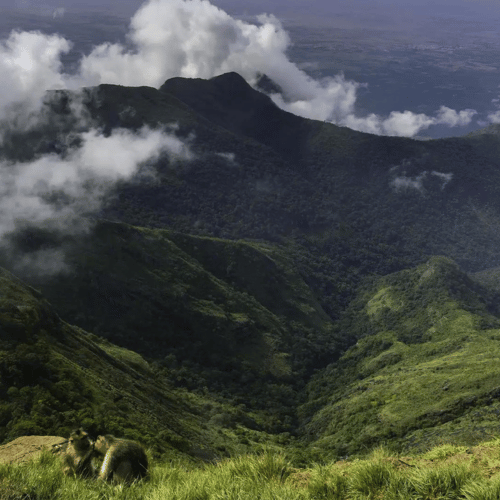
(26,448)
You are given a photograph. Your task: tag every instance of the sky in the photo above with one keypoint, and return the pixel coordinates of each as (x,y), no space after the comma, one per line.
(187,38)
(319,8)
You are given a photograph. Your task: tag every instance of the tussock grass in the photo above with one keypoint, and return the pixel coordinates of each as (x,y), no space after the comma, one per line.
(483,491)
(445,472)
(448,481)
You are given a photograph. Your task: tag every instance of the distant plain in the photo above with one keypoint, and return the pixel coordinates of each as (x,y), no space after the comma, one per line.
(448,63)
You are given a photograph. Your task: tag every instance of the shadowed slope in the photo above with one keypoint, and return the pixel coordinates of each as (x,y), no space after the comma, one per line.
(230,315)
(54,377)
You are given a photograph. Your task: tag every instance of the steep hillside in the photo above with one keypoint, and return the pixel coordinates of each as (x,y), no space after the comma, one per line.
(230,316)
(426,371)
(236,273)
(54,377)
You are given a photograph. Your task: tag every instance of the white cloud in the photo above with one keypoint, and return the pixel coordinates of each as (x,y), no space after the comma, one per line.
(117,156)
(445,178)
(29,65)
(448,116)
(407,123)
(229,157)
(494,117)
(403,183)
(331,99)
(54,190)
(397,124)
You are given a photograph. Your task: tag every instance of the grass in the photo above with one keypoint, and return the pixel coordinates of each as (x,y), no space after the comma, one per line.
(444,472)
(131,358)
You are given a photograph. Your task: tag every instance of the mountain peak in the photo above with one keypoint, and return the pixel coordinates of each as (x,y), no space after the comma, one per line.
(230,102)
(231,78)
(226,88)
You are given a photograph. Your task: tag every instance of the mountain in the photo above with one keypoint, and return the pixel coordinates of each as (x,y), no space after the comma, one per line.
(345,203)
(306,282)
(361,202)
(231,103)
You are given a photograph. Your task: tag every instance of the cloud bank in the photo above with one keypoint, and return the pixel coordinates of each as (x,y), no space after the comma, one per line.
(30,64)
(54,192)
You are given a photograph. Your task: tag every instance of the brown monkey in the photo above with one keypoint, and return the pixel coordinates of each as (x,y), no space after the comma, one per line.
(124,460)
(77,458)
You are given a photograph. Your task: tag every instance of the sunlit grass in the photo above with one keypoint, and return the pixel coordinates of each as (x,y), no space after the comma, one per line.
(450,472)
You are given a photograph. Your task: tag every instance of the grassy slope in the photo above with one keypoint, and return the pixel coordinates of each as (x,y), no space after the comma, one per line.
(425,367)
(54,377)
(426,371)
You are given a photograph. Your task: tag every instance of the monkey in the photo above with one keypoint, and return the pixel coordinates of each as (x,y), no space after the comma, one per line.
(124,460)
(77,458)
